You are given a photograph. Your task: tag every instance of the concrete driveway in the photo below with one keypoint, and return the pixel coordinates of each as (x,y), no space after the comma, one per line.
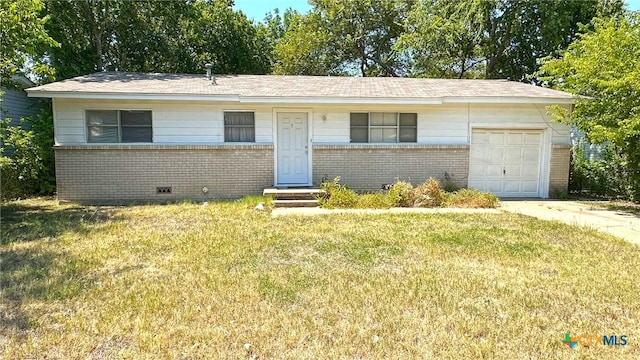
(624,225)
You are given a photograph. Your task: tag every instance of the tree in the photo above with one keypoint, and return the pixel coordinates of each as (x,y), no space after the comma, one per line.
(344,37)
(603,64)
(304,48)
(493,38)
(177,36)
(22,34)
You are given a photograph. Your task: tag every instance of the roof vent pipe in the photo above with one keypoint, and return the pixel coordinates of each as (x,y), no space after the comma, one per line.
(208,66)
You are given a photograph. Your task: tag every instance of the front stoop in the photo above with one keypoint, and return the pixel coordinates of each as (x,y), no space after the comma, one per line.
(297,197)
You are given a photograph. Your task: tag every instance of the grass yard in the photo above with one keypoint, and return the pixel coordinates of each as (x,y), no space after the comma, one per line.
(190,281)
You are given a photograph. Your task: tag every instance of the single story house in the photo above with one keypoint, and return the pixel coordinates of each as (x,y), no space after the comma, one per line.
(125,137)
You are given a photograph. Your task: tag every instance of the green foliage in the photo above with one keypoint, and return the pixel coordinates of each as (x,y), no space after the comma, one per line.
(153,36)
(471,198)
(22,34)
(344,37)
(377,200)
(302,50)
(30,169)
(604,65)
(492,39)
(604,177)
(401,193)
(337,195)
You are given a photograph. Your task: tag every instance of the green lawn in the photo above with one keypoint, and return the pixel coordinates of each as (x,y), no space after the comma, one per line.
(190,281)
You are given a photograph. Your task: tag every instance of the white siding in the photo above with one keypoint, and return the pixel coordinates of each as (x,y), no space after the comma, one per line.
(443,124)
(331,126)
(173,123)
(518,116)
(200,123)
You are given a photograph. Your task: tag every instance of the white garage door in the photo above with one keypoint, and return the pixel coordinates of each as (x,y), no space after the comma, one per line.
(506,162)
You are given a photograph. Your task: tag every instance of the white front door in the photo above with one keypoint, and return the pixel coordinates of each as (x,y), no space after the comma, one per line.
(506,162)
(292,149)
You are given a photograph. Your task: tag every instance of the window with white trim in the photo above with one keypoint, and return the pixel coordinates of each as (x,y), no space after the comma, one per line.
(379,127)
(119,126)
(239,126)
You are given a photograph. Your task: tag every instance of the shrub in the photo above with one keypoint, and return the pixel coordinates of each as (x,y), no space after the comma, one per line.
(449,184)
(375,201)
(608,176)
(400,194)
(471,198)
(427,194)
(29,169)
(336,195)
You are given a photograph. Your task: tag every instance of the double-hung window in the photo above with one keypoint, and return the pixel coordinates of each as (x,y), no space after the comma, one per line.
(239,126)
(379,127)
(119,126)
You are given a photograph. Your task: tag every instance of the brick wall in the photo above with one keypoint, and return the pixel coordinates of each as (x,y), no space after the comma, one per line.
(560,166)
(368,167)
(126,174)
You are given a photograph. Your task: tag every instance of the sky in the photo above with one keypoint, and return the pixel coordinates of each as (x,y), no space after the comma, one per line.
(256,9)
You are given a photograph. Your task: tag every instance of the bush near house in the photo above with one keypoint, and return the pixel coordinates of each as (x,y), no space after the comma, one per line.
(30,169)
(402,194)
(606,177)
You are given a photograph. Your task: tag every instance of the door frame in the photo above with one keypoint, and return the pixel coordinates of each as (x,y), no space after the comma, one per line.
(545,151)
(309,112)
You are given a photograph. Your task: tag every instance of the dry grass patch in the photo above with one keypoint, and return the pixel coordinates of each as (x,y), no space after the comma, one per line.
(196,281)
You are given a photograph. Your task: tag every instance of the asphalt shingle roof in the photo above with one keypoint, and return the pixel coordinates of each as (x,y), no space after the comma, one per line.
(295,86)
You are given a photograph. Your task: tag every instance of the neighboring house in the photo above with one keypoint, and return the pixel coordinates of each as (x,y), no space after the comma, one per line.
(15,104)
(124,137)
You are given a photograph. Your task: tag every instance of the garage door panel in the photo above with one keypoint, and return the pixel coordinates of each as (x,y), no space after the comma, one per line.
(531,154)
(533,139)
(496,139)
(497,155)
(530,186)
(514,139)
(478,153)
(513,171)
(477,184)
(514,155)
(512,186)
(493,171)
(506,162)
(478,169)
(494,186)
(481,137)
(530,172)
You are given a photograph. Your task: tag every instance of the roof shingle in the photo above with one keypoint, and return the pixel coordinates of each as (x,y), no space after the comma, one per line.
(251,86)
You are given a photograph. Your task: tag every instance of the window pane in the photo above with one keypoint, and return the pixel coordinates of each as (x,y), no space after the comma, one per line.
(377,119)
(239,118)
(383,135)
(408,134)
(239,134)
(102,117)
(384,119)
(359,119)
(103,134)
(136,134)
(359,135)
(135,118)
(390,119)
(408,119)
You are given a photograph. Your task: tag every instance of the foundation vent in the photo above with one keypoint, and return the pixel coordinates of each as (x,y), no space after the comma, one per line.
(163,190)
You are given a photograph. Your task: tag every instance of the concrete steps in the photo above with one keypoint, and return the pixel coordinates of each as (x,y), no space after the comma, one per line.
(293,197)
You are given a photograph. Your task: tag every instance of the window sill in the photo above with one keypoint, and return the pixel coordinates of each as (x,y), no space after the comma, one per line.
(388,146)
